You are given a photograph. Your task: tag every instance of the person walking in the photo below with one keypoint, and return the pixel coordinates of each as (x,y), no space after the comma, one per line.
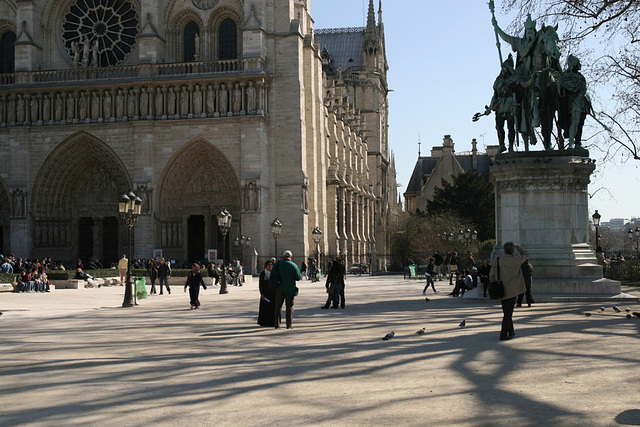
(483,274)
(511,276)
(437,262)
(153,275)
(164,272)
(334,284)
(527,272)
(429,274)
(283,279)
(194,281)
(123,266)
(267,308)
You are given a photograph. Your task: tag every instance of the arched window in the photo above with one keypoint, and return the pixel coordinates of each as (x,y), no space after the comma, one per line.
(7,53)
(191,32)
(228,40)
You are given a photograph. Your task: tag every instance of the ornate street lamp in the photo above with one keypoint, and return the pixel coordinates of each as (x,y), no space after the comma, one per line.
(276,229)
(317,237)
(224,224)
(596,223)
(635,235)
(242,243)
(129,207)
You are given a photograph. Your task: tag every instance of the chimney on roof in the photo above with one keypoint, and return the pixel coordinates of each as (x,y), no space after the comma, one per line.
(474,154)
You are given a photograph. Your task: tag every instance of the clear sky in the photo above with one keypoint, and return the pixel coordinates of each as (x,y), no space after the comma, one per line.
(442,63)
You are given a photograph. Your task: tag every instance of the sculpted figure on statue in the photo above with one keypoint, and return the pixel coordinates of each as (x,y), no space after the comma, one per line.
(537,93)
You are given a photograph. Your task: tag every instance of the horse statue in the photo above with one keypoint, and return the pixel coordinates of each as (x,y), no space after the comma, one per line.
(545,62)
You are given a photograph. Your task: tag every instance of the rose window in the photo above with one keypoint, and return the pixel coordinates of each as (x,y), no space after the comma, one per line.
(100,33)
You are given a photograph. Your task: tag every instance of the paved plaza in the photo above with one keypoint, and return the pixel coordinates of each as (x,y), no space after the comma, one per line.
(76,358)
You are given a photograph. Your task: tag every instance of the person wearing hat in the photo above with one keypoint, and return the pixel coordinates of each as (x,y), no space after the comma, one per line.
(284,275)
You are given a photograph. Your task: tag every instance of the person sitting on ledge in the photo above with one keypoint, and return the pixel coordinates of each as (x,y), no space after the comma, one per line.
(81,275)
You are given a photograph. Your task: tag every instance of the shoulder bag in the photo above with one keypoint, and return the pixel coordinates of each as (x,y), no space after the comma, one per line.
(496,289)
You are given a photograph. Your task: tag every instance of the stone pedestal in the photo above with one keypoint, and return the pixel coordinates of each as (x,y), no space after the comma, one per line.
(542,204)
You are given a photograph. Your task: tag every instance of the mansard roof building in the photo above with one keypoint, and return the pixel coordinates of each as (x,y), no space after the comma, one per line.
(444,163)
(197,106)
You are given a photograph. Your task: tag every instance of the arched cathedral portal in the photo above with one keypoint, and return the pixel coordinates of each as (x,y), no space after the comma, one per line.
(197,183)
(75,196)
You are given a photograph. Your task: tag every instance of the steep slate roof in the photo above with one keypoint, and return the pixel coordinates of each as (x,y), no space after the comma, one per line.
(343,44)
(425,165)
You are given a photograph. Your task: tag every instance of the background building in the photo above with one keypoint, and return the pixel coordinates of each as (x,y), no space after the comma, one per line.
(196,106)
(444,163)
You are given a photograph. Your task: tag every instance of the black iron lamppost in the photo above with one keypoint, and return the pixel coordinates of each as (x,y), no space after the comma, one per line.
(596,223)
(467,235)
(242,242)
(129,207)
(635,235)
(224,224)
(276,229)
(317,237)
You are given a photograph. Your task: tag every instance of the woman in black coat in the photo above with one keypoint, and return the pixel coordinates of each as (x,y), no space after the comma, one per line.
(153,274)
(193,282)
(267,311)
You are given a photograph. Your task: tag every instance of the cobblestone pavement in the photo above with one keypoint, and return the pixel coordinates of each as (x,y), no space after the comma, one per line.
(76,358)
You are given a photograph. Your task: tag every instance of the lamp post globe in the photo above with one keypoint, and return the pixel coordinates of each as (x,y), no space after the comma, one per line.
(596,223)
(224,224)
(317,237)
(129,208)
(276,229)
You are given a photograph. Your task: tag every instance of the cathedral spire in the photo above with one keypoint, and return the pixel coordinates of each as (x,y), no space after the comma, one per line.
(371,18)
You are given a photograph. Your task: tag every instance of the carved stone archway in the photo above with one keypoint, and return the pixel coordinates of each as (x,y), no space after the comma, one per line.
(5,213)
(198,180)
(81,178)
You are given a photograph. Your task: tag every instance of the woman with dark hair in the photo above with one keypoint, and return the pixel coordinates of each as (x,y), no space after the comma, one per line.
(194,280)
(335,285)
(267,310)
(153,274)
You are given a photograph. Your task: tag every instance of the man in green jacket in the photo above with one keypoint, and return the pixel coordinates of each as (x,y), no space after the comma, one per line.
(284,276)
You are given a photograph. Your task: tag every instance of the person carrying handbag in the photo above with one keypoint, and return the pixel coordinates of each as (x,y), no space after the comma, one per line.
(509,272)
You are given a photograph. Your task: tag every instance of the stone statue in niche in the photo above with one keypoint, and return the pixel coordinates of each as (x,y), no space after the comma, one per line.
(223,100)
(94,54)
(95,105)
(211,100)
(197,101)
(71,107)
(251,98)
(82,106)
(144,193)
(46,108)
(33,104)
(184,101)
(120,104)
(86,49)
(106,105)
(131,103)
(19,203)
(237,98)
(75,49)
(144,102)
(58,107)
(251,197)
(171,102)
(159,102)
(20,107)
(305,195)
(11,111)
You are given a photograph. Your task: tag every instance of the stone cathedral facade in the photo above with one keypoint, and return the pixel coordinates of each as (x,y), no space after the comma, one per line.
(196,106)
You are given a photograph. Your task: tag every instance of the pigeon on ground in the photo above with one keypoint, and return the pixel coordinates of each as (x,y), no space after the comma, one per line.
(462,324)
(628,310)
(602,308)
(628,316)
(421,332)
(587,314)
(389,336)
(427,299)
(635,313)
(616,309)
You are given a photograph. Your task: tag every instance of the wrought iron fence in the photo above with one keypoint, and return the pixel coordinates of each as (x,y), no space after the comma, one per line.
(624,271)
